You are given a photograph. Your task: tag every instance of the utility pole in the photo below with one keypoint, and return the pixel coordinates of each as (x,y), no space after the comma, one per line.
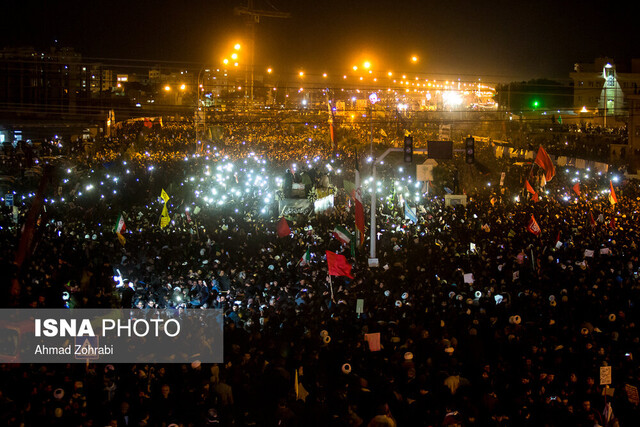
(253,17)
(373,259)
(200,113)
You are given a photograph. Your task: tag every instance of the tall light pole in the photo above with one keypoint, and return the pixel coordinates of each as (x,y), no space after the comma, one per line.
(200,120)
(373,260)
(607,73)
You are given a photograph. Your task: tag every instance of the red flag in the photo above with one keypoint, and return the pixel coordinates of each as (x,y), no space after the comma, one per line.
(591,220)
(333,136)
(533,226)
(612,195)
(544,161)
(332,132)
(576,188)
(612,223)
(28,236)
(557,238)
(338,265)
(283,228)
(530,189)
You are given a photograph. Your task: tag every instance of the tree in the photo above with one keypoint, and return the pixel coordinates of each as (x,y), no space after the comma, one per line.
(537,94)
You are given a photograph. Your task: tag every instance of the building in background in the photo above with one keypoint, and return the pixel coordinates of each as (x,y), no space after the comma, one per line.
(602,87)
(43,83)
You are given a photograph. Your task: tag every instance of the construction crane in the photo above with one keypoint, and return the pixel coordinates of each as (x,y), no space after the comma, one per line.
(252,18)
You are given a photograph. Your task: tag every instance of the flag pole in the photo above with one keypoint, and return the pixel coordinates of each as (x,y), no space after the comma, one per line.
(331,288)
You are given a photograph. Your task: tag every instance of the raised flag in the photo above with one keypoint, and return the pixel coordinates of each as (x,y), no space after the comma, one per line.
(121,239)
(530,189)
(338,265)
(410,214)
(283,228)
(533,227)
(342,234)
(306,258)
(164,221)
(612,223)
(301,392)
(576,188)
(332,133)
(164,196)
(164,217)
(544,161)
(612,195)
(331,128)
(591,220)
(120,225)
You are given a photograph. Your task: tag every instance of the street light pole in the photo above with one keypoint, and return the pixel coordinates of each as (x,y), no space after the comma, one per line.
(199,123)
(373,260)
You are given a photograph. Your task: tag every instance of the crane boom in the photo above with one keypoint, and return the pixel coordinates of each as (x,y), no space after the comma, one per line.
(253,16)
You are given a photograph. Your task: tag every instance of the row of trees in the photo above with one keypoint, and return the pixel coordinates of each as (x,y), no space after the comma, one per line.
(538,94)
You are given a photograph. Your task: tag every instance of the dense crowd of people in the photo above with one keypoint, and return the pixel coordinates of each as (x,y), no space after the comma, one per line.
(480,322)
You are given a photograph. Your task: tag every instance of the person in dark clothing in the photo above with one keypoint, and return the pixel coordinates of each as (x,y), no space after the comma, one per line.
(287,186)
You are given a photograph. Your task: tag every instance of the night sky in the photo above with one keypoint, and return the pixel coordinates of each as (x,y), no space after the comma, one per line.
(493,39)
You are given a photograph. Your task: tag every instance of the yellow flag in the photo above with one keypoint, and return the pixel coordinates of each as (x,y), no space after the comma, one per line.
(164,221)
(164,216)
(121,239)
(612,194)
(164,196)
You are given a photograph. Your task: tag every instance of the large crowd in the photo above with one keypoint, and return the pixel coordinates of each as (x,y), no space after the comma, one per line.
(480,321)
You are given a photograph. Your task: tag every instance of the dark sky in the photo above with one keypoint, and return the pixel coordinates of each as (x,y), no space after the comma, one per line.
(493,39)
